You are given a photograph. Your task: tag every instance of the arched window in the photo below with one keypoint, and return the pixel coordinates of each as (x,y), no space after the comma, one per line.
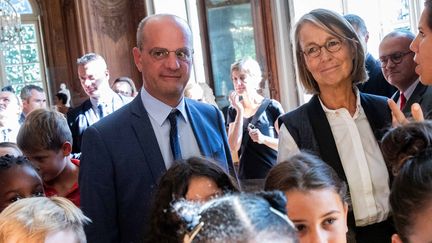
(22,61)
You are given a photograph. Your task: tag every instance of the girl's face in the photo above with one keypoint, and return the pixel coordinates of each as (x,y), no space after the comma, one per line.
(202,189)
(421,227)
(17,182)
(319,215)
(422,47)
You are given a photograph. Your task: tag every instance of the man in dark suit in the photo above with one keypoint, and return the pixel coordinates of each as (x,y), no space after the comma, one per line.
(94,77)
(398,67)
(376,84)
(125,154)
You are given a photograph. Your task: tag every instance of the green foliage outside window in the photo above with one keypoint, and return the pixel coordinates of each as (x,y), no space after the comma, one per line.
(22,65)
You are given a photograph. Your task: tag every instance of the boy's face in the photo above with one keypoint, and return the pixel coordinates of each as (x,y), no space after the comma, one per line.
(17,182)
(49,163)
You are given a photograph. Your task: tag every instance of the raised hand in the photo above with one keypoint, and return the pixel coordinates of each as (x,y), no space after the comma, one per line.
(398,117)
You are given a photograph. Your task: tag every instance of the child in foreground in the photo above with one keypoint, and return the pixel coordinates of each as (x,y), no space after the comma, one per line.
(46,140)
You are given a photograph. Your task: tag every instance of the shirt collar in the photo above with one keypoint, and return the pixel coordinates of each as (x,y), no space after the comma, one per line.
(106,99)
(358,104)
(408,92)
(158,110)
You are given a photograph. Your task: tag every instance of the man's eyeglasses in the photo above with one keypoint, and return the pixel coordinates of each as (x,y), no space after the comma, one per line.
(314,50)
(184,54)
(396,58)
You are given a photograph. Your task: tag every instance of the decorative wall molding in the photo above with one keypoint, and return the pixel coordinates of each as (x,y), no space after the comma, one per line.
(112,16)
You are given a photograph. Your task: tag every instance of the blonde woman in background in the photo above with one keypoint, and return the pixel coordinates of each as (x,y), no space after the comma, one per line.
(251,119)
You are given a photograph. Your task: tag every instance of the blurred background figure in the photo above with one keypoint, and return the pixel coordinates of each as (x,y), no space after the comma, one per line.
(250,120)
(201,92)
(60,101)
(43,220)
(65,90)
(8,88)
(376,84)
(10,111)
(33,97)
(241,217)
(124,86)
(94,77)
(194,91)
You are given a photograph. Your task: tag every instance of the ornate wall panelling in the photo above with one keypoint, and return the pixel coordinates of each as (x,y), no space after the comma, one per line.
(72,28)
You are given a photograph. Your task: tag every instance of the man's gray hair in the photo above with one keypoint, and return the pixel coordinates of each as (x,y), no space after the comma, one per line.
(26,91)
(89,57)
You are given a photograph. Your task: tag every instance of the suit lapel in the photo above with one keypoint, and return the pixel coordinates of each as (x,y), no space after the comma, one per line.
(416,97)
(324,136)
(144,132)
(201,135)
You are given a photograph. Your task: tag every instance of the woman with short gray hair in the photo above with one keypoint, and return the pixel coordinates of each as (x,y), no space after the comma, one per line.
(339,123)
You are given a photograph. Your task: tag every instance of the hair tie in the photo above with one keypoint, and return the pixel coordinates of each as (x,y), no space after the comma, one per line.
(283,216)
(190,236)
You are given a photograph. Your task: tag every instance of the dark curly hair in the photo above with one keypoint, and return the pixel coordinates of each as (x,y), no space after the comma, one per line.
(241,217)
(401,143)
(409,151)
(7,161)
(173,186)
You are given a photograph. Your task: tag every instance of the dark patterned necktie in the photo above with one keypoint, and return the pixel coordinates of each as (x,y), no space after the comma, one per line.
(174,138)
(100,111)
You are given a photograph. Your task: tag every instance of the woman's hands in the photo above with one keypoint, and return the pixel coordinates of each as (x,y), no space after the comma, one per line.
(398,117)
(235,102)
(256,135)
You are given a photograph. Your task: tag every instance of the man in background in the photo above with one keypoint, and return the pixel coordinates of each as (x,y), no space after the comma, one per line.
(398,67)
(376,83)
(33,97)
(94,76)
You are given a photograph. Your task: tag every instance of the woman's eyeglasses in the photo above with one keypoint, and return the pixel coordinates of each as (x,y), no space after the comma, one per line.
(314,50)
(396,58)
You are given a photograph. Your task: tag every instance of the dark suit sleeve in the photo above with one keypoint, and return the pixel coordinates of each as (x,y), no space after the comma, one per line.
(98,192)
(221,127)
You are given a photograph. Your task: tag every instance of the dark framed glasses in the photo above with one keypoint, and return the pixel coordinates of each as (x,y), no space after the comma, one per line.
(184,54)
(396,58)
(314,50)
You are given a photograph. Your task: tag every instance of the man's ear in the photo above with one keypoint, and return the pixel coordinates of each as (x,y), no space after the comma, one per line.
(107,74)
(367,37)
(137,58)
(396,239)
(66,148)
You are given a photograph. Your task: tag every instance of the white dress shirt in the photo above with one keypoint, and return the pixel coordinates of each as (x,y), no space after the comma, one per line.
(361,158)
(158,114)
